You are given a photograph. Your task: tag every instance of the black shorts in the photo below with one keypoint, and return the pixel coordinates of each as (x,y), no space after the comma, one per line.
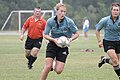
(30,43)
(53,51)
(111,45)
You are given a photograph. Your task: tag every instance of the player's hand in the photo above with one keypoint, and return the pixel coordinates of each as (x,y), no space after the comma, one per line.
(70,40)
(56,41)
(100,44)
(21,37)
(47,41)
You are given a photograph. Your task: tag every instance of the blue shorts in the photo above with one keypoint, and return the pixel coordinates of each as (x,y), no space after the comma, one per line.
(86,29)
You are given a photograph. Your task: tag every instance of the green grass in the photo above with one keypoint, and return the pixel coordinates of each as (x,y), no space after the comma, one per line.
(79,65)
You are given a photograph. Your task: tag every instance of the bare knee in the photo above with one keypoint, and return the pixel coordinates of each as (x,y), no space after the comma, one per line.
(58,71)
(35,52)
(115,61)
(48,67)
(27,52)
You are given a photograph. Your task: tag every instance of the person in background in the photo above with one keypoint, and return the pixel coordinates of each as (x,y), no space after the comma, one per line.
(85,28)
(57,26)
(35,25)
(111,41)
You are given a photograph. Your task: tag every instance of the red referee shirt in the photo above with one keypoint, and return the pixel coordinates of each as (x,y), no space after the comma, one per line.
(35,28)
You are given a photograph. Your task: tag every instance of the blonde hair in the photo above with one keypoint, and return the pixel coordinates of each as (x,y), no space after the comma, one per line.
(59,5)
(115,5)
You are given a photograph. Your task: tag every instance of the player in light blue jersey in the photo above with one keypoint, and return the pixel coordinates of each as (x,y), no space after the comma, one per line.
(58,26)
(111,41)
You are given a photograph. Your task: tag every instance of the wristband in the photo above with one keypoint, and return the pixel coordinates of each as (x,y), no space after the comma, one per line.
(70,39)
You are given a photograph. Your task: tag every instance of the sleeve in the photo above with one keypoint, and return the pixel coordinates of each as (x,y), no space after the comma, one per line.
(100,24)
(44,23)
(26,24)
(47,27)
(73,27)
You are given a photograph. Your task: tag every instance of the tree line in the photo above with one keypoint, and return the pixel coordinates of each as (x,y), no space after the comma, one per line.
(76,9)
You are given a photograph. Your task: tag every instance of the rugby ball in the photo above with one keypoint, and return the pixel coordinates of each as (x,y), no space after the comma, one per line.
(63,41)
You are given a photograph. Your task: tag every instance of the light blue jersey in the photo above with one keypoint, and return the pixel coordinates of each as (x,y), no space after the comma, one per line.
(65,28)
(111,28)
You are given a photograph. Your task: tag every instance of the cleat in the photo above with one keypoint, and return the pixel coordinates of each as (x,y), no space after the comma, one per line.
(29,66)
(101,62)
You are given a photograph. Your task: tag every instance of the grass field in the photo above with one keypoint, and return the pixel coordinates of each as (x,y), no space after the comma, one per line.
(79,65)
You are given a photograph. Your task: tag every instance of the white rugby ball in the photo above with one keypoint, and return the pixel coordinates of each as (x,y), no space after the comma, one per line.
(63,41)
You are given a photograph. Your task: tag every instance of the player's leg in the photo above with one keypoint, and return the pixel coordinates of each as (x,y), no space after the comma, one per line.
(113,56)
(115,60)
(50,56)
(61,59)
(47,68)
(28,48)
(118,55)
(117,68)
(59,66)
(33,57)
(27,53)
(86,32)
(108,46)
(36,47)
(104,60)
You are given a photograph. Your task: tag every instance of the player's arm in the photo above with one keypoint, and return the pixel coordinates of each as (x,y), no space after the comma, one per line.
(22,34)
(24,27)
(75,36)
(98,36)
(49,38)
(47,30)
(99,26)
(74,30)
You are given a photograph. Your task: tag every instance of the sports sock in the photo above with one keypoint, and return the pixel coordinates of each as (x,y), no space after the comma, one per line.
(117,70)
(28,57)
(32,60)
(107,60)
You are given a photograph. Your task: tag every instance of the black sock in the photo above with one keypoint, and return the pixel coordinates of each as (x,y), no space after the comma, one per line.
(28,57)
(32,60)
(117,70)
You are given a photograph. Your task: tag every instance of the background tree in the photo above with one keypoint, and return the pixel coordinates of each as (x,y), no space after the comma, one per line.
(77,10)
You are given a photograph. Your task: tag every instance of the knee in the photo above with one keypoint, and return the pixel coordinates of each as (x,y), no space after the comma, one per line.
(115,61)
(58,71)
(48,67)
(27,54)
(35,53)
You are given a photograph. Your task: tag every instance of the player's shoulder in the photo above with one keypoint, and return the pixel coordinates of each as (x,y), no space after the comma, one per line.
(41,18)
(105,18)
(69,20)
(51,18)
(29,18)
